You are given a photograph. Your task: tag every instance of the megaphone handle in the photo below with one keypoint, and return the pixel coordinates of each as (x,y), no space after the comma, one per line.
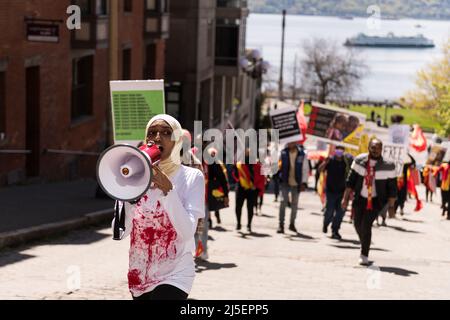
(119,221)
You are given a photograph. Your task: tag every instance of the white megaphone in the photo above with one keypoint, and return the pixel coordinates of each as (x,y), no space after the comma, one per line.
(125,172)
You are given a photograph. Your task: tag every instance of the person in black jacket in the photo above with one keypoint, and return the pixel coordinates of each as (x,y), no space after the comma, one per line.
(218,187)
(374,183)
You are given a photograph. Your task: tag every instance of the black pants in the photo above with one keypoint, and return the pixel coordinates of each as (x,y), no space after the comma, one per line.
(241,196)
(429,194)
(446,203)
(363,221)
(164,292)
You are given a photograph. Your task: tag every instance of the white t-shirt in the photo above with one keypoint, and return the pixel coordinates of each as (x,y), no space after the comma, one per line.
(364,191)
(162,232)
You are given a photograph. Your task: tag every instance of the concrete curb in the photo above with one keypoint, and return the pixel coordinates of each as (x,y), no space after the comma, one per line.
(22,236)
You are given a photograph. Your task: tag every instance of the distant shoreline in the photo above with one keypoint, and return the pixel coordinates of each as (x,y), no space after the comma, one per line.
(354,16)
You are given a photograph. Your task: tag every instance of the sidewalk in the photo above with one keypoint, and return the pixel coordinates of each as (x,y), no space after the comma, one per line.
(30,212)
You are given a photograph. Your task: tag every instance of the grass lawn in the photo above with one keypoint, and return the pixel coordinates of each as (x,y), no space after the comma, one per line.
(412,116)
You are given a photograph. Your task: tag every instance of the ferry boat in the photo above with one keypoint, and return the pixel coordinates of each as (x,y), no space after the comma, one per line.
(390,41)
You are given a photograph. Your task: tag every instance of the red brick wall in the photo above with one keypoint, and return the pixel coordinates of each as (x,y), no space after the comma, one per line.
(55,60)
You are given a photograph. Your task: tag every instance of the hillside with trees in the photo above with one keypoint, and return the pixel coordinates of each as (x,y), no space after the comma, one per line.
(422,9)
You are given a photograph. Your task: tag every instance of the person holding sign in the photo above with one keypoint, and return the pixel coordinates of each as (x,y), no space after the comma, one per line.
(162,224)
(374,183)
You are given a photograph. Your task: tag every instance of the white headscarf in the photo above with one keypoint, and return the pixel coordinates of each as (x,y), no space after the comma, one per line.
(171,165)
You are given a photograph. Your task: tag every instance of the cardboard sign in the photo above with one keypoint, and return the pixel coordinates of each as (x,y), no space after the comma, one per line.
(134,103)
(399,134)
(396,153)
(285,121)
(437,155)
(335,125)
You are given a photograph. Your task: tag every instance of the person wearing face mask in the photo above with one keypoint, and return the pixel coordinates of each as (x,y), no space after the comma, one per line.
(336,169)
(162,223)
(374,183)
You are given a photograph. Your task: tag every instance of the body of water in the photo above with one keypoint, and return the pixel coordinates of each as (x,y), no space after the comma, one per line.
(391,72)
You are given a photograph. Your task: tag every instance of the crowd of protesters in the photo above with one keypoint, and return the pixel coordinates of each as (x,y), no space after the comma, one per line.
(367,181)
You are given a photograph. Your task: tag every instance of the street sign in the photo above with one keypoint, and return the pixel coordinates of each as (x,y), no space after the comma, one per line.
(41,32)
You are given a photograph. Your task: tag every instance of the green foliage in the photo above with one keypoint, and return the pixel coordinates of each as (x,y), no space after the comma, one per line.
(432,92)
(432,9)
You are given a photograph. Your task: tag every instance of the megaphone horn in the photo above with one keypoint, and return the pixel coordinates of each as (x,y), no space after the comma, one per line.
(124,172)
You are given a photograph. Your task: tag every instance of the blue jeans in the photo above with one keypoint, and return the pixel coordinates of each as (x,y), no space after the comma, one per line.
(285,190)
(334,212)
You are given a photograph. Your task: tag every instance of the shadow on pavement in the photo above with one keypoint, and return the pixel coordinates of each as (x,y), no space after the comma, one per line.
(219,229)
(413,221)
(357,248)
(266,216)
(13,257)
(300,236)
(355,242)
(84,237)
(398,271)
(317,214)
(403,229)
(206,265)
(253,234)
(210,238)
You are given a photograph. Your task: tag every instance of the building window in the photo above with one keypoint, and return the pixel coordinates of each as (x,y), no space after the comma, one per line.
(101,7)
(82,87)
(227,45)
(150,5)
(150,58)
(157,5)
(126,64)
(173,99)
(128,5)
(85,6)
(231,3)
(2,103)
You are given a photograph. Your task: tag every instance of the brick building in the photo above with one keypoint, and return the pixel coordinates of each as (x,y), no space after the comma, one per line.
(54,90)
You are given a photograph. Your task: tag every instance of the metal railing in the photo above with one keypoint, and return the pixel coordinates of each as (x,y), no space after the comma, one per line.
(15,151)
(72,152)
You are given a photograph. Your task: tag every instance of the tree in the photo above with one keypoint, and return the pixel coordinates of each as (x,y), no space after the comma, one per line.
(328,70)
(432,92)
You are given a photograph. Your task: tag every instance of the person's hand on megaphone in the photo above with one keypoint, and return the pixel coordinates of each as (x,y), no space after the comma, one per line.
(161,180)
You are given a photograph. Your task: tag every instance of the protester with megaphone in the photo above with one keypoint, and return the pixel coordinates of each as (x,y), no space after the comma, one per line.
(163,222)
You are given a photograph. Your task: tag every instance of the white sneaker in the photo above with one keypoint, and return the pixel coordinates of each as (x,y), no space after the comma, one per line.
(204,256)
(363,260)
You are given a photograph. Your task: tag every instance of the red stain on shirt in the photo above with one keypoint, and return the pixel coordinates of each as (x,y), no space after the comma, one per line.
(153,243)
(133,278)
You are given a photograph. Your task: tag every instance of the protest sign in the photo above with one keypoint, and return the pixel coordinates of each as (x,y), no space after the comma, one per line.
(437,155)
(285,121)
(396,153)
(335,125)
(134,103)
(399,134)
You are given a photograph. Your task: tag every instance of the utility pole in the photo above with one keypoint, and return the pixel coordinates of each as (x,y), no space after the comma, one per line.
(113,61)
(294,82)
(280,94)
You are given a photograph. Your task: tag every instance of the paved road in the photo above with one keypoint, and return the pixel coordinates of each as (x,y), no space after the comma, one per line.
(412,261)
